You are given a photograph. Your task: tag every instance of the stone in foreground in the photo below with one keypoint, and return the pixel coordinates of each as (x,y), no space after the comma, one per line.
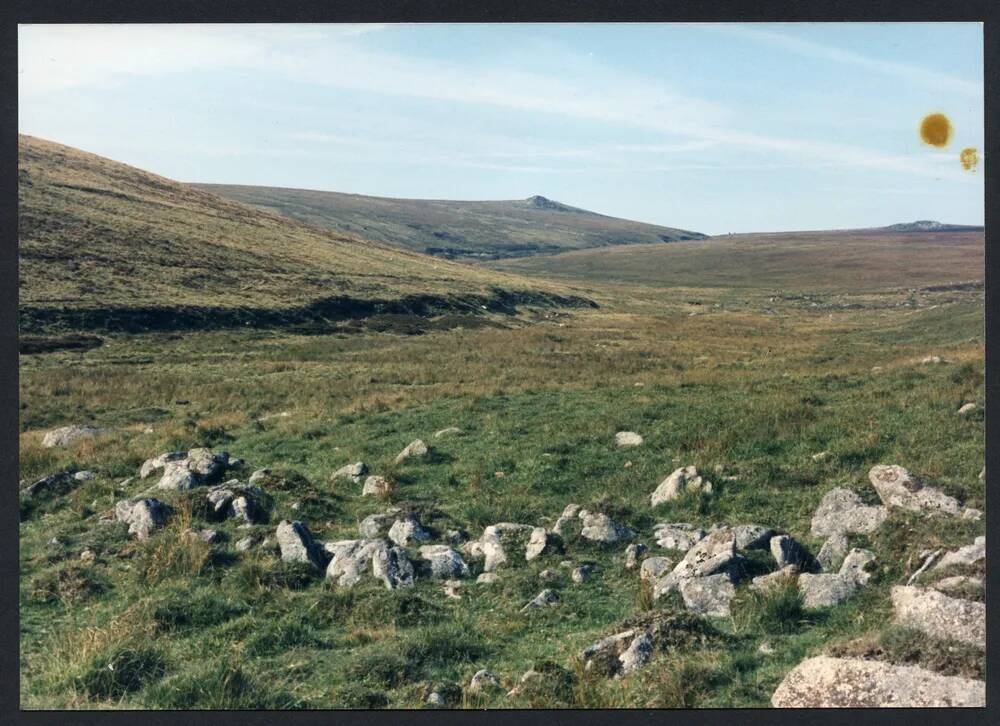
(940,616)
(825,682)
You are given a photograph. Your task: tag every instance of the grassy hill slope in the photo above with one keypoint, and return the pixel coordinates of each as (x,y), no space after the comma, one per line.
(456,229)
(103,244)
(854,260)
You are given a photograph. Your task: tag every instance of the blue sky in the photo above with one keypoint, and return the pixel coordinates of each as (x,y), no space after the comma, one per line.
(716,128)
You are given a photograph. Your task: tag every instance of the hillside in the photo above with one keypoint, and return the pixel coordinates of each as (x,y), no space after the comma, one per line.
(929,225)
(456,229)
(105,245)
(853,259)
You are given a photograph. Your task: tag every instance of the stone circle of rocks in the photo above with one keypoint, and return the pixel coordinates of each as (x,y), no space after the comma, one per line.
(705,575)
(186,470)
(684,479)
(828,589)
(246,502)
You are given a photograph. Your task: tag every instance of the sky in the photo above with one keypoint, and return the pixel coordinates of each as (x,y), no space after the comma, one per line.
(715,128)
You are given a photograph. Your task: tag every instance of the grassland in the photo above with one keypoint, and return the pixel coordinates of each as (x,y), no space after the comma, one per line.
(855,261)
(453,229)
(736,380)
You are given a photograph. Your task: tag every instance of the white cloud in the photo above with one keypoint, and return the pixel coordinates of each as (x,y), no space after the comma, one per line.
(811,49)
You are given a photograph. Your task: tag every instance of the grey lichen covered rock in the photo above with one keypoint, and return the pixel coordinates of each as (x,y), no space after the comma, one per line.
(653,568)
(833,551)
(376,486)
(66,435)
(199,466)
(407,530)
(685,479)
(786,551)
(599,527)
(569,525)
(708,595)
(968,555)
(841,511)
(714,554)
(752,536)
(775,580)
(826,590)
(541,542)
(825,682)
(350,472)
(940,616)
(143,517)
(377,525)
(677,536)
(632,554)
(158,462)
(546,598)
(900,489)
(296,543)
(444,562)
(483,681)
(504,544)
(627,438)
(416,449)
(393,567)
(351,559)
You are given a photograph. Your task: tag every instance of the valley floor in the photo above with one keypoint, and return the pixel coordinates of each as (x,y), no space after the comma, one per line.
(745,385)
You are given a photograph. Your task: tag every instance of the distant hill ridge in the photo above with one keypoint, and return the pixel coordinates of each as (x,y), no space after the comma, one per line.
(929,225)
(472,230)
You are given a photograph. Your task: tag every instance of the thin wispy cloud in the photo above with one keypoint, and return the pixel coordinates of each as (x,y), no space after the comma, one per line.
(917,75)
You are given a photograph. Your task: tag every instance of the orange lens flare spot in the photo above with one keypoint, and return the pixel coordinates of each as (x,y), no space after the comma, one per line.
(935,129)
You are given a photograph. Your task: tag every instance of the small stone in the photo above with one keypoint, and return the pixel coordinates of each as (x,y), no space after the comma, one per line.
(247,543)
(786,551)
(632,554)
(487,578)
(684,479)
(900,489)
(752,536)
(582,573)
(546,598)
(547,575)
(85,475)
(416,449)
(637,654)
(964,556)
(483,681)
(142,516)
(351,472)
(259,477)
(598,527)
(833,551)
(393,567)
(444,561)
(841,511)
(296,543)
(774,580)
(654,567)
(87,555)
(708,595)
(821,456)
(677,536)
(406,530)
(450,431)
(627,438)
(376,486)
(966,409)
(67,435)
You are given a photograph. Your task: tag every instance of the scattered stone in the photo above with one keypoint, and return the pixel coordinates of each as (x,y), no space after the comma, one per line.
(450,589)
(569,526)
(967,408)
(66,435)
(708,595)
(931,360)
(350,559)
(444,562)
(406,530)
(88,555)
(259,477)
(637,654)
(483,681)
(599,527)
(212,536)
(677,536)
(940,616)
(393,567)
(821,456)
(416,449)
(841,511)
(142,516)
(900,489)
(968,555)
(198,466)
(548,575)
(297,544)
(435,699)
(247,503)
(632,554)
(487,578)
(653,568)
(685,479)
(786,551)
(825,682)
(500,540)
(714,554)
(376,486)
(775,580)
(376,525)
(765,648)
(833,551)
(450,431)
(752,536)
(351,472)
(627,438)
(85,475)
(582,573)
(827,590)
(52,485)
(247,543)
(958,584)
(541,542)
(546,598)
